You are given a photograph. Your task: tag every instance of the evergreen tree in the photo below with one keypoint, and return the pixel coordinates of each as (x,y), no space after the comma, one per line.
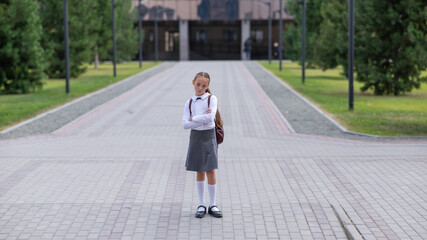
(293,35)
(292,43)
(331,45)
(126,32)
(390,43)
(21,56)
(82,26)
(391,49)
(103,33)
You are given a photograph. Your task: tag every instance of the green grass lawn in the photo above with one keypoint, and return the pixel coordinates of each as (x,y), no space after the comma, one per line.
(380,115)
(17,108)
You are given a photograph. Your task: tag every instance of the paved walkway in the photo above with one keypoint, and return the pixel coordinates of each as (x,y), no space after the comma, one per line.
(117,172)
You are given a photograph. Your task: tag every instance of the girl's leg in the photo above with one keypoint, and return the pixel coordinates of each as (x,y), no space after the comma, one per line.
(201,176)
(201,187)
(211,177)
(212,186)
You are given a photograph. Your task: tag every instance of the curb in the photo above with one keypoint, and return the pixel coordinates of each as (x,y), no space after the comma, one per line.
(343,129)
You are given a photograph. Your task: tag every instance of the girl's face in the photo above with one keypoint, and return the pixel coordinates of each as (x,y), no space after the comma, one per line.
(200,85)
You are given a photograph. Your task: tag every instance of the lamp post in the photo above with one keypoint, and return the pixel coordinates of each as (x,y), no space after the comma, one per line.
(280,36)
(303,40)
(67,53)
(114,38)
(156,45)
(139,32)
(350,53)
(268,4)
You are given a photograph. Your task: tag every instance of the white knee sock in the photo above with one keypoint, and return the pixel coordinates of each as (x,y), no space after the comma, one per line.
(201,192)
(212,192)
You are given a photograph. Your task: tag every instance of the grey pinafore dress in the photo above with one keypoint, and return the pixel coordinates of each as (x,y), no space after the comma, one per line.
(202,155)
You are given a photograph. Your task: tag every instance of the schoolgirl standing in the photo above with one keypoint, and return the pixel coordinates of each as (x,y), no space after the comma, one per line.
(202,155)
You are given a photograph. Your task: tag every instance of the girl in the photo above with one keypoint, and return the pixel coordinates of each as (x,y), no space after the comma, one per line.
(202,155)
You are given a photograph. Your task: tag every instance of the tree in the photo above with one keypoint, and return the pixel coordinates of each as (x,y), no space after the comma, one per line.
(391,49)
(390,43)
(292,43)
(126,33)
(82,24)
(293,36)
(331,45)
(21,56)
(103,33)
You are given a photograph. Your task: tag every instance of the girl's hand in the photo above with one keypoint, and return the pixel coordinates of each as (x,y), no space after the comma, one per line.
(208,111)
(191,118)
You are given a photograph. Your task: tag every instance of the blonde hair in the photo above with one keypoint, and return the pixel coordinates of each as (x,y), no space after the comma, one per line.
(218,119)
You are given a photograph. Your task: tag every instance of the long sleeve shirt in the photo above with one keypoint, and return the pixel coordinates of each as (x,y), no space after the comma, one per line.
(201,120)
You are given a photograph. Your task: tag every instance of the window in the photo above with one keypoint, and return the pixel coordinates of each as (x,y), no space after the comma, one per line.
(229,35)
(151,36)
(171,40)
(257,35)
(202,36)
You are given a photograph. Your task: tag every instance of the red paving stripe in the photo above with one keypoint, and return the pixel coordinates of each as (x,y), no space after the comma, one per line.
(337,139)
(28,138)
(94,113)
(272,113)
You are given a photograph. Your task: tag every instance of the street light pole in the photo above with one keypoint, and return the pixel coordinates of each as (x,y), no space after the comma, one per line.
(114,38)
(67,53)
(280,36)
(139,32)
(156,45)
(269,32)
(303,39)
(350,53)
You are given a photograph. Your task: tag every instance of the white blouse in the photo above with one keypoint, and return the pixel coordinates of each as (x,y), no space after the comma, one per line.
(201,120)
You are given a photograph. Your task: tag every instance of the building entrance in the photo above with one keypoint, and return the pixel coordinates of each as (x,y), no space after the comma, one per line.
(167,40)
(215,40)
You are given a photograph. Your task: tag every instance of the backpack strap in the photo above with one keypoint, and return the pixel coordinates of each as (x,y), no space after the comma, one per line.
(191,100)
(189,106)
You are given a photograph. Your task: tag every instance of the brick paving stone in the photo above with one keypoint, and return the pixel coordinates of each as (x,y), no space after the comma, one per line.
(117,172)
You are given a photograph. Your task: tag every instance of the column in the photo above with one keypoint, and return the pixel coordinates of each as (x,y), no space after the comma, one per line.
(184,41)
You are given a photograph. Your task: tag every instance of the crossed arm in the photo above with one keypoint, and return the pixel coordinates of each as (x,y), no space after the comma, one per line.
(189,122)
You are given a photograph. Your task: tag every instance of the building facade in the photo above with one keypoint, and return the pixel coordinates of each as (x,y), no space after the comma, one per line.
(208,29)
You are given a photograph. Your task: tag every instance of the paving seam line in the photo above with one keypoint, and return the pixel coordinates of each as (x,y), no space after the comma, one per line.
(317,109)
(79,99)
(350,229)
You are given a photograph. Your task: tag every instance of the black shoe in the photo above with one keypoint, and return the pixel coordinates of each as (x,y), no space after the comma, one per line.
(200,214)
(217,214)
